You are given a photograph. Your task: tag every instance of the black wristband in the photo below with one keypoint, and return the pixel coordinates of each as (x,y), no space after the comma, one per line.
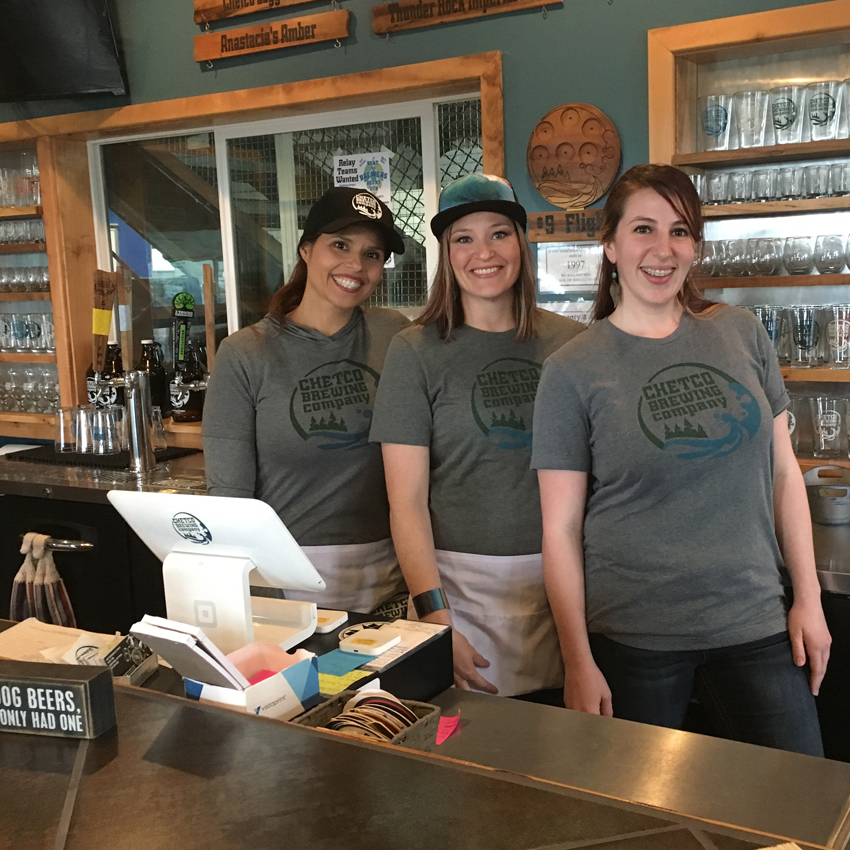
(430,601)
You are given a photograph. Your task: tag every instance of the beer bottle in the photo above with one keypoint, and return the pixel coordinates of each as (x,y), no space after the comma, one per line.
(187,388)
(151,362)
(114,372)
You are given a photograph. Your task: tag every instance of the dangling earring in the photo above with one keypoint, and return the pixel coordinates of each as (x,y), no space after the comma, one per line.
(614,288)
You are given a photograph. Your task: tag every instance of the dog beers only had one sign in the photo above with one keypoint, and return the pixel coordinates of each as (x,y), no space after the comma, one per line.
(56,699)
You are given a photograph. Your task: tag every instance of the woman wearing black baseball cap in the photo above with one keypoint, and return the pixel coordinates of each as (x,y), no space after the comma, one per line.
(289,405)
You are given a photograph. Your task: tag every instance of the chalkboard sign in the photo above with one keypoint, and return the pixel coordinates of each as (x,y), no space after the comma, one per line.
(62,700)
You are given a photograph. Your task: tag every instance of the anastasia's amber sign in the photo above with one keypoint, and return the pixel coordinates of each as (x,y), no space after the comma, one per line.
(307,29)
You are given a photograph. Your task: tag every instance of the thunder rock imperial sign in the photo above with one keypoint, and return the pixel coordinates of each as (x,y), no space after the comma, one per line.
(410,14)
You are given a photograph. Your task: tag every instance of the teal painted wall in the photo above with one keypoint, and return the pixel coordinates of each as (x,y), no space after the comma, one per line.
(591,51)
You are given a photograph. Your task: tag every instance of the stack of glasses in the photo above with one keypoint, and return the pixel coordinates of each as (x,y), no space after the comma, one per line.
(805,335)
(765,256)
(29,389)
(786,114)
(27,332)
(21,231)
(774,183)
(24,279)
(826,414)
(20,186)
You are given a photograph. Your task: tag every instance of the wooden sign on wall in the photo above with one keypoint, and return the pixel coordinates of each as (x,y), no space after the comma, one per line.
(216,10)
(578,226)
(274,35)
(411,14)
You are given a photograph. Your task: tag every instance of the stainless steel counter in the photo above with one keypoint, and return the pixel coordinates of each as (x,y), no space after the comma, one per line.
(88,484)
(753,789)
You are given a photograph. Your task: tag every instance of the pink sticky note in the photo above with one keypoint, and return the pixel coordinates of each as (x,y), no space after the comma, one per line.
(447,727)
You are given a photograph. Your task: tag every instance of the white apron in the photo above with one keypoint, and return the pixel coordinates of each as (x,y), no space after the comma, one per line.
(358,576)
(499,604)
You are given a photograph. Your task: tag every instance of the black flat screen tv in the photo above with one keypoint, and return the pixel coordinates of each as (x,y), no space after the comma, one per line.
(56,49)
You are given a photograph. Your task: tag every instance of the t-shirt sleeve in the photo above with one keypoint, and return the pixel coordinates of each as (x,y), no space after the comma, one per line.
(773,384)
(561,426)
(402,406)
(230,451)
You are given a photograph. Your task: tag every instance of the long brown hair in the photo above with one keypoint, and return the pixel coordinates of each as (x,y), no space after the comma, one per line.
(289,296)
(676,188)
(445,308)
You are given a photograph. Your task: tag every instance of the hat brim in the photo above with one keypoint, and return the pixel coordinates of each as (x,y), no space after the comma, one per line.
(511,209)
(393,238)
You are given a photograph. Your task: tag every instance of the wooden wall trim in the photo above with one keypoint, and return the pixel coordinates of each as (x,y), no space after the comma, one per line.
(758,27)
(661,101)
(483,70)
(69,233)
(492,116)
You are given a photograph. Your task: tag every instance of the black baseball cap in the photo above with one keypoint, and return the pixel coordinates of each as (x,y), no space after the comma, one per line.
(342,206)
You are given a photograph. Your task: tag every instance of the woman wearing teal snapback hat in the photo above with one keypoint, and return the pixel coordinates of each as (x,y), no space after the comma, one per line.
(454,415)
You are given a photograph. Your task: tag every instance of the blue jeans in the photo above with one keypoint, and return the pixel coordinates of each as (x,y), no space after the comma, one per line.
(752,692)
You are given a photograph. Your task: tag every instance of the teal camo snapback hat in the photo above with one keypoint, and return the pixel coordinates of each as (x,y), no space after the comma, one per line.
(477,193)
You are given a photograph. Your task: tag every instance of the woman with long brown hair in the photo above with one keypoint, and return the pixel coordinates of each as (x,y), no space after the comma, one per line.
(667,420)
(454,415)
(289,405)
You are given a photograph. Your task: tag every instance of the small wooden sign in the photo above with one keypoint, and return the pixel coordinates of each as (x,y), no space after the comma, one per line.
(412,14)
(579,226)
(61,700)
(273,35)
(573,155)
(216,10)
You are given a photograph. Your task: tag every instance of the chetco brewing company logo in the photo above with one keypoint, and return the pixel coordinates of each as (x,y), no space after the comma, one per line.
(503,401)
(696,411)
(191,528)
(332,404)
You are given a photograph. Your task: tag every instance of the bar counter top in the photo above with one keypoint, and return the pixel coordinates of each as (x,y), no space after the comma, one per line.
(90,484)
(176,774)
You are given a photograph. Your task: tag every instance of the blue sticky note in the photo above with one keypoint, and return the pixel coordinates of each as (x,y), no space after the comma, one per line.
(338,663)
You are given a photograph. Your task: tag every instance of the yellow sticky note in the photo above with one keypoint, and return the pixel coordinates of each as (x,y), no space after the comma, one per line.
(330,685)
(100,322)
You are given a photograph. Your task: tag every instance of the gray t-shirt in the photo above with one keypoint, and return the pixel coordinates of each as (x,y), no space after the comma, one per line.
(471,400)
(287,419)
(677,437)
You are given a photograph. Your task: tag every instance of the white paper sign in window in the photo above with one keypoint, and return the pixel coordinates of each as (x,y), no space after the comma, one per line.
(567,266)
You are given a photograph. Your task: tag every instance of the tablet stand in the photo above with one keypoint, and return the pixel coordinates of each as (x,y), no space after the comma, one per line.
(213,592)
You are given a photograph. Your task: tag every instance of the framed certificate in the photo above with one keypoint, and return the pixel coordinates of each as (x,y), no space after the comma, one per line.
(564,267)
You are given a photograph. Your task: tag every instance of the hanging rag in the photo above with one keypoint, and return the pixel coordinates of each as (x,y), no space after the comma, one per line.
(22,604)
(52,604)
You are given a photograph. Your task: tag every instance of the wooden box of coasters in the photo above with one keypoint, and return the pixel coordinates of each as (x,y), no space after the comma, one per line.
(382,718)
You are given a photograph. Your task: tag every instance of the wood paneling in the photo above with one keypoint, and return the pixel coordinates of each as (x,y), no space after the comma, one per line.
(26,357)
(819,374)
(442,76)
(69,229)
(20,212)
(24,296)
(797,205)
(772,280)
(38,426)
